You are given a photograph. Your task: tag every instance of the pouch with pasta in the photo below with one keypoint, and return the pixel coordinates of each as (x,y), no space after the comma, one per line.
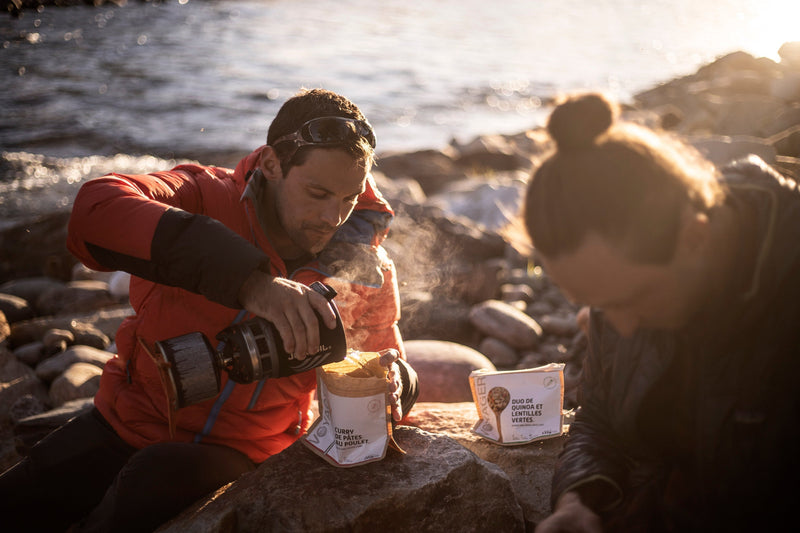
(354,426)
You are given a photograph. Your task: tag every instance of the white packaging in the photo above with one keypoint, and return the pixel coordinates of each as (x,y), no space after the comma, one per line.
(518,406)
(354,426)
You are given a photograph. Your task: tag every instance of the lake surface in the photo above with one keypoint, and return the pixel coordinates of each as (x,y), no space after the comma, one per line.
(188,76)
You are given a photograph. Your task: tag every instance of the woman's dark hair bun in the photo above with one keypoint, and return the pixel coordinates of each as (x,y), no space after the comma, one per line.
(580,119)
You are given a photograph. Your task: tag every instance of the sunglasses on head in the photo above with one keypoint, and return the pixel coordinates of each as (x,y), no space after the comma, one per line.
(328,130)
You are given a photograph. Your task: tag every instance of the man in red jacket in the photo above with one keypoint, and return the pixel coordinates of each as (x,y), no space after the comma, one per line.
(208,247)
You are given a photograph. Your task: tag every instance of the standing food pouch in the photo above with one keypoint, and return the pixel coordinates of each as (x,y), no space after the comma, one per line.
(518,406)
(355,425)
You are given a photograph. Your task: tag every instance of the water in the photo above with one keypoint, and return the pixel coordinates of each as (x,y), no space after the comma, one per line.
(188,77)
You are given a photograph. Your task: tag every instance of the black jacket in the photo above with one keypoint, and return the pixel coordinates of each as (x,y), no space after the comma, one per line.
(697,430)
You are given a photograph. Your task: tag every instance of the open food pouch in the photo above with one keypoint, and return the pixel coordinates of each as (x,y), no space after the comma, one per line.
(518,406)
(355,425)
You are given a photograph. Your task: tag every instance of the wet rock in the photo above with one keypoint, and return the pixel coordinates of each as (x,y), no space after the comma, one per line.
(51,368)
(80,380)
(401,492)
(503,321)
(443,369)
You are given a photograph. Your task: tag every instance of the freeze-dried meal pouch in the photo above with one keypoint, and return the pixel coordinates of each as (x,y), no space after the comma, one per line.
(518,406)
(355,425)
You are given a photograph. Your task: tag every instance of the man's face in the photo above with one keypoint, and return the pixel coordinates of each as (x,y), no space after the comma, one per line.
(315,198)
(632,295)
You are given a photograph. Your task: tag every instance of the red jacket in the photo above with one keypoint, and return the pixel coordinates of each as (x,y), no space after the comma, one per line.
(190,241)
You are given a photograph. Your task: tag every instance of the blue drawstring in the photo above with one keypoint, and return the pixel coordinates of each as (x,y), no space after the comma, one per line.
(226,392)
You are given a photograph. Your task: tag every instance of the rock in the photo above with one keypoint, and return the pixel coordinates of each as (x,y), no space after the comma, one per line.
(425,317)
(443,369)
(81,272)
(432,169)
(503,321)
(400,190)
(561,326)
(790,54)
(529,467)
(57,340)
(106,320)
(499,353)
(5,328)
(25,406)
(17,380)
(30,353)
(36,247)
(491,203)
(491,152)
(437,485)
(88,335)
(51,368)
(75,297)
(30,288)
(30,430)
(722,150)
(15,308)
(119,285)
(80,380)
(513,292)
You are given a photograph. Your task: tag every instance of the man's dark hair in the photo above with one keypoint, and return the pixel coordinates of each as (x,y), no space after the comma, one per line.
(304,106)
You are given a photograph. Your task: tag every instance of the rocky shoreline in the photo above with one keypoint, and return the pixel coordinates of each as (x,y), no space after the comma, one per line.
(469,299)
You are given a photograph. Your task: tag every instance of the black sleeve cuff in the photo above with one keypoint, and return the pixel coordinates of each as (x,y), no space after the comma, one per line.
(410,386)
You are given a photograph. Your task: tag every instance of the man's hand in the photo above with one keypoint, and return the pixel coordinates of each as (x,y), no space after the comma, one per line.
(290,307)
(387,359)
(570,516)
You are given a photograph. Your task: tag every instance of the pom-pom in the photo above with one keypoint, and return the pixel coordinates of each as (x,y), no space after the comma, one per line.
(579,120)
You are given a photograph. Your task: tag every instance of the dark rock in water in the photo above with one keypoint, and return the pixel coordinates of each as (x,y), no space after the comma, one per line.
(438,485)
(443,369)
